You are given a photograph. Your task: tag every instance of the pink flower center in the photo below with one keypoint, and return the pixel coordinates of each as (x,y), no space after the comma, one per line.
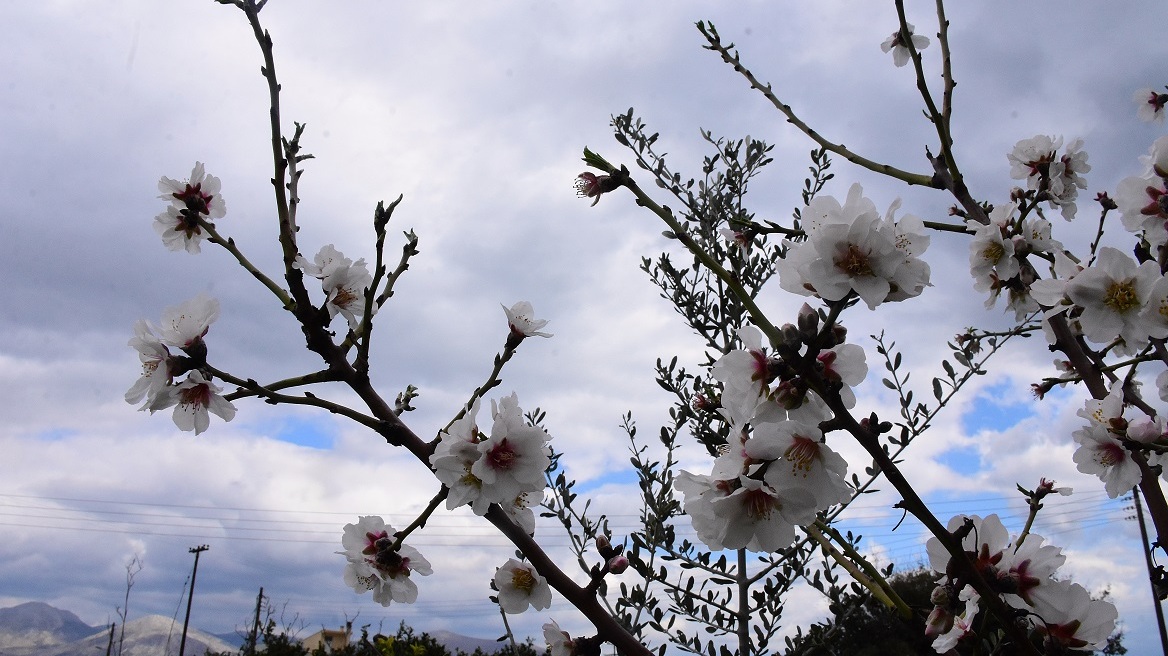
(759,504)
(197,395)
(371,539)
(344,298)
(502,456)
(801,454)
(854,262)
(194,198)
(1110,455)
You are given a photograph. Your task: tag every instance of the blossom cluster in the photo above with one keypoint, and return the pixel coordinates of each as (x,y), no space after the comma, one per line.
(776,471)
(376,561)
(193,202)
(1056,177)
(159,387)
(1108,444)
(851,249)
(344,282)
(1114,300)
(1022,570)
(505,467)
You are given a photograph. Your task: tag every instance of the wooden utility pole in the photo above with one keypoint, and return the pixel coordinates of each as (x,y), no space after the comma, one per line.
(1151,571)
(254,639)
(182,645)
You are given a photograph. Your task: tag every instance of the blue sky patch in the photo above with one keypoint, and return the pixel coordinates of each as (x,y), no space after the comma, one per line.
(996,408)
(306,432)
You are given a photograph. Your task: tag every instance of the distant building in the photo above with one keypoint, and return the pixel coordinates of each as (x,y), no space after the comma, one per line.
(331,639)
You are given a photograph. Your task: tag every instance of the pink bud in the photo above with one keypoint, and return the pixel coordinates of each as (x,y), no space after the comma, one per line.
(618,564)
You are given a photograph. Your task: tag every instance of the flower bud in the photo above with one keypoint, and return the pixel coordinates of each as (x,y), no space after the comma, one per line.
(939,596)
(808,320)
(790,335)
(839,334)
(618,564)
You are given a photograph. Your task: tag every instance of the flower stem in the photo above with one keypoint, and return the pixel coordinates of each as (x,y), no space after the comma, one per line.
(421,519)
(870,577)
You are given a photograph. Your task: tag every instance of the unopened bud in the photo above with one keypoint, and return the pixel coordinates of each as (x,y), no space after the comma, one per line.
(602,544)
(790,335)
(790,394)
(939,596)
(618,564)
(839,334)
(808,320)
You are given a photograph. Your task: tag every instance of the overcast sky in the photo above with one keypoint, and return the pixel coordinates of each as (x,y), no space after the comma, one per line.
(478,113)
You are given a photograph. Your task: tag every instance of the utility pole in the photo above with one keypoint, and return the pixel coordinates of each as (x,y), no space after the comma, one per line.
(182,645)
(1151,572)
(255,627)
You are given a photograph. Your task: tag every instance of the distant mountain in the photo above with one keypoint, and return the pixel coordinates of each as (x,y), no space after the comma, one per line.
(152,635)
(38,629)
(456,642)
(37,624)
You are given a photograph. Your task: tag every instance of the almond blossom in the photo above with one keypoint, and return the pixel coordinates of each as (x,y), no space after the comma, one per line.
(1150,105)
(899,48)
(987,542)
(1078,622)
(744,372)
(514,457)
(1036,160)
(194,400)
(155,359)
(344,283)
(1113,294)
(521,587)
(179,230)
(184,325)
(457,451)
(193,200)
(1143,200)
(375,565)
(849,249)
(799,457)
(744,512)
(346,287)
(326,261)
(1029,568)
(559,643)
(198,193)
(523,324)
(962,624)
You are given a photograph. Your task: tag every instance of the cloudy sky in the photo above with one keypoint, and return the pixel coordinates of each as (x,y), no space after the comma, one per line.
(477,113)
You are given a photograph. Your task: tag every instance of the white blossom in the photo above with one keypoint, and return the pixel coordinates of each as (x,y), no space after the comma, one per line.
(373,564)
(194,400)
(522,322)
(184,325)
(1150,105)
(1113,294)
(559,643)
(850,249)
(155,368)
(521,587)
(514,457)
(898,47)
